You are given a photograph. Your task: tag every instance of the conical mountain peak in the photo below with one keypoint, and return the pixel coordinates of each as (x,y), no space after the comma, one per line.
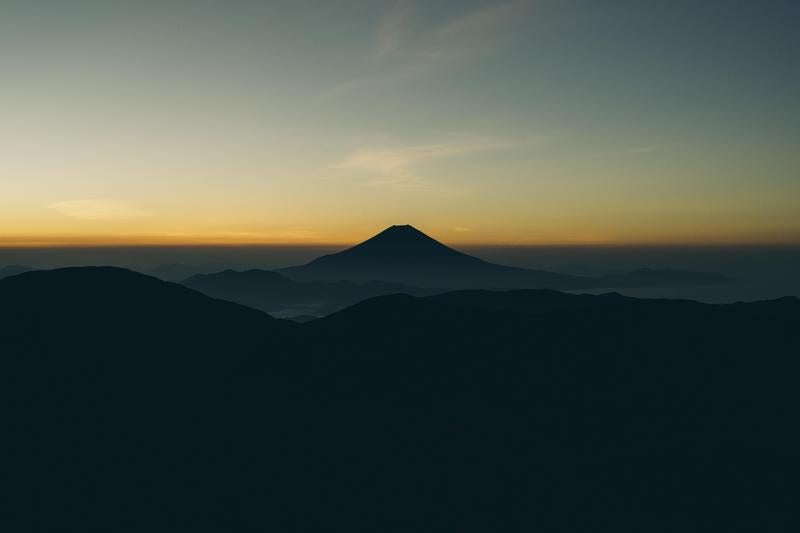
(402,229)
(405,255)
(401,240)
(396,247)
(401,235)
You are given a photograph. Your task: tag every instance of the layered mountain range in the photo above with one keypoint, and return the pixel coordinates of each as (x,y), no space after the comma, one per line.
(134,404)
(402,259)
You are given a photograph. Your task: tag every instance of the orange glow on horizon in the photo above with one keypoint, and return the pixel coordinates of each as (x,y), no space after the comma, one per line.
(343,240)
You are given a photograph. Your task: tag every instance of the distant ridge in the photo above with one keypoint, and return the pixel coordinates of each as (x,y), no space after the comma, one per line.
(275,293)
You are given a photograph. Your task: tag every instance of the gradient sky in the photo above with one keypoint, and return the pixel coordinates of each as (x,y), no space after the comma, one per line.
(549,121)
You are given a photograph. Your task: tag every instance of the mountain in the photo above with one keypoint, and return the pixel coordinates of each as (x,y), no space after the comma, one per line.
(128,401)
(13,270)
(274,293)
(405,255)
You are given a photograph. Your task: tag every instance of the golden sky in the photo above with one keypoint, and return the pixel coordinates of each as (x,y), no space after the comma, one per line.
(516,122)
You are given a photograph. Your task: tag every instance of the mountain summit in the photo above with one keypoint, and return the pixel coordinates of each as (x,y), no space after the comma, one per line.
(398,242)
(405,255)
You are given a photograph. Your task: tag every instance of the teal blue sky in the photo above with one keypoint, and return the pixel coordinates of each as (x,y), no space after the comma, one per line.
(526,122)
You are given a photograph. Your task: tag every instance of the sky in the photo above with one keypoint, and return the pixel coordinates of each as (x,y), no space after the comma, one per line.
(547,122)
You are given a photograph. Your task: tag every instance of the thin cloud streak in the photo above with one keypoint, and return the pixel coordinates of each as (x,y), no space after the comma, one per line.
(389,35)
(396,166)
(486,19)
(470,35)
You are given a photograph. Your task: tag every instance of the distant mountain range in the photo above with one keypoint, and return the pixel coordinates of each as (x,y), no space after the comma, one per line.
(401,259)
(274,293)
(173,272)
(130,402)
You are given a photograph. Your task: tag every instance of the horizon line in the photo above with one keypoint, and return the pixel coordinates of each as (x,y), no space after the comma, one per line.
(55,245)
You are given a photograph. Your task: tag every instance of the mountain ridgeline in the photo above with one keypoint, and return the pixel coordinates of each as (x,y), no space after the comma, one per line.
(135,404)
(275,293)
(402,259)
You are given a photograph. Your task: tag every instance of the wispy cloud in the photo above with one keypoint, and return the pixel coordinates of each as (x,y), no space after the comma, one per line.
(98,209)
(400,55)
(396,166)
(477,23)
(390,33)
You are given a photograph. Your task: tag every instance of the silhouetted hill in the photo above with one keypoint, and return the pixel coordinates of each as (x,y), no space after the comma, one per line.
(129,402)
(13,270)
(91,289)
(106,312)
(275,293)
(632,407)
(404,255)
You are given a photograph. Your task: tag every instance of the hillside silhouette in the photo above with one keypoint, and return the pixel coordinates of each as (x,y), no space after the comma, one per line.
(124,322)
(129,402)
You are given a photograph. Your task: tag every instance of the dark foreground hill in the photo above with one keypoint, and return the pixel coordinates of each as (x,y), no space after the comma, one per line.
(131,404)
(405,255)
(100,312)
